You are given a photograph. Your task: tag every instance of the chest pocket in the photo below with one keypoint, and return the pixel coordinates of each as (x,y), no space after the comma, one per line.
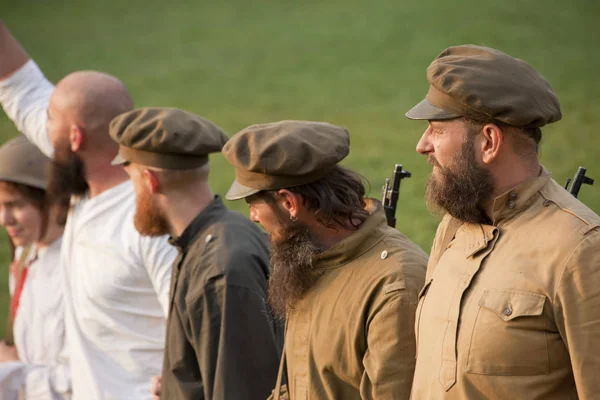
(509,336)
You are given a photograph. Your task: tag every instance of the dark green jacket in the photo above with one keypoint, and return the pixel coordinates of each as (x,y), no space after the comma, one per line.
(222,342)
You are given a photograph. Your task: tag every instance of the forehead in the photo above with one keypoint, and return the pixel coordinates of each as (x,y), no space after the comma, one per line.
(254,198)
(9,192)
(456,123)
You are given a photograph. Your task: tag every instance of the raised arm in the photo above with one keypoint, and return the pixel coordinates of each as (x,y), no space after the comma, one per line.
(24,91)
(13,55)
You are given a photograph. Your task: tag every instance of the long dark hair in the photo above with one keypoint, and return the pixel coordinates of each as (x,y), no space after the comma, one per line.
(337,199)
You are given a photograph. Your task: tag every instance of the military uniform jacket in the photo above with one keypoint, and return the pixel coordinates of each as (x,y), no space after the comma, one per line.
(352,335)
(512,310)
(221,338)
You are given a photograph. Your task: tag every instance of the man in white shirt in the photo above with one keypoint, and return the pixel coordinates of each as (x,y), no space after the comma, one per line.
(116,281)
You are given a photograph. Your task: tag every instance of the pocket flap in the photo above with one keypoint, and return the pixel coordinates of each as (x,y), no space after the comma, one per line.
(510,304)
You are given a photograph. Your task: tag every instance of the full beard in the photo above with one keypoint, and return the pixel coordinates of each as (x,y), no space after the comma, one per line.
(292,268)
(149,220)
(462,189)
(67,178)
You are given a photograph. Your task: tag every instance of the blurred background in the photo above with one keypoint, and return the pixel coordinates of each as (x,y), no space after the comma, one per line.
(358,64)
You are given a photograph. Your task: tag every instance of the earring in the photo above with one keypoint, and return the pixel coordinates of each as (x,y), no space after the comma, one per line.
(293,218)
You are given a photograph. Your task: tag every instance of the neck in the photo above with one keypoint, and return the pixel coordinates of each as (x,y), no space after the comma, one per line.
(100,174)
(104,177)
(53,232)
(509,176)
(329,237)
(183,206)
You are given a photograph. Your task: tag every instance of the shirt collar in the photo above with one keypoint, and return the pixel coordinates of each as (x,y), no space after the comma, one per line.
(519,198)
(372,230)
(213,211)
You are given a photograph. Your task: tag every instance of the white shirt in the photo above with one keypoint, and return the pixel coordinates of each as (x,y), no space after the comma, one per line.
(42,371)
(116,281)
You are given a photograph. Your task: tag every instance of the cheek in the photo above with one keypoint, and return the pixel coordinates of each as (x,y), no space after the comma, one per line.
(29,218)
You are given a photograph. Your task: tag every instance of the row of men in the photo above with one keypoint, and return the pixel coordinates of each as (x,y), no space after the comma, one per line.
(506,307)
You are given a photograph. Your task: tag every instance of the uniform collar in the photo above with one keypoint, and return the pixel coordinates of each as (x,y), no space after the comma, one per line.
(368,235)
(213,211)
(519,198)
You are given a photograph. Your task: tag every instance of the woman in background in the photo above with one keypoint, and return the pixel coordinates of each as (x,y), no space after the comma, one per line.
(36,366)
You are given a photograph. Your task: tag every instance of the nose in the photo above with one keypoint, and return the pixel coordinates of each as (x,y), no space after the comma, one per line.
(424,146)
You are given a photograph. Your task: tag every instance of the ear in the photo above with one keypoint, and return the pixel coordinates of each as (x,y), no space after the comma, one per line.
(76,138)
(152,181)
(291,202)
(492,139)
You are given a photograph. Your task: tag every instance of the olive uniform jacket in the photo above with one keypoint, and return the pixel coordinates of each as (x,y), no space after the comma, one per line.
(512,310)
(221,340)
(352,335)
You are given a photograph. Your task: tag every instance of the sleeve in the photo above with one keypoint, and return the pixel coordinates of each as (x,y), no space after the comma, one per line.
(233,337)
(390,357)
(158,255)
(25,96)
(577,314)
(48,381)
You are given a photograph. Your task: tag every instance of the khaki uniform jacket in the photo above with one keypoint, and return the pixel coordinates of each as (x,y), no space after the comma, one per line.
(221,340)
(352,335)
(512,310)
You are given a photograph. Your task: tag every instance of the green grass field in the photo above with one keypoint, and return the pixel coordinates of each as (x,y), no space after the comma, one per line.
(354,63)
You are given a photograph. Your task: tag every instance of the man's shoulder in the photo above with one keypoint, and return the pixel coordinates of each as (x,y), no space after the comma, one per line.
(232,249)
(566,210)
(394,265)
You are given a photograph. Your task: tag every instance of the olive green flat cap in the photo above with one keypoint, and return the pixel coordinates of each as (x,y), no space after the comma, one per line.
(486,85)
(165,138)
(22,162)
(283,154)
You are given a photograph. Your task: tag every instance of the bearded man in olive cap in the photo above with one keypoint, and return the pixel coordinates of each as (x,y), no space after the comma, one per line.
(222,342)
(345,281)
(511,304)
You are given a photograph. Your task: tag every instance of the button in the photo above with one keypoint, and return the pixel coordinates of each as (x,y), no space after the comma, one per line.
(512,196)
(208,238)
(508,311)
(510,204)
(384,254)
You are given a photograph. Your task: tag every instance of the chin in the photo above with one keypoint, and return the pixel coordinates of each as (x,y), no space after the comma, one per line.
(20,241)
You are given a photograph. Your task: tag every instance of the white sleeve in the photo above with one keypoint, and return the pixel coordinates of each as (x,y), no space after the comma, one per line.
(158,255)
(11,379)
(48,381)
(25,96)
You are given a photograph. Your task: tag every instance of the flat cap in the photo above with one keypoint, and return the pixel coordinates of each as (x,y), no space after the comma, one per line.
(283,154)
(165,138)
(22,162)
(486,85)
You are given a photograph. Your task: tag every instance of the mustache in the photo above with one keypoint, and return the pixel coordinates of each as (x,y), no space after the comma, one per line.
(431,160)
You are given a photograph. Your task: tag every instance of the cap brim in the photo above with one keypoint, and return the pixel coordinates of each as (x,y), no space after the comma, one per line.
(238,191)
(118,160)
(426,110)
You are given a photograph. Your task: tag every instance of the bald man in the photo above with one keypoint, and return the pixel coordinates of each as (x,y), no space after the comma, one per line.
(116,281)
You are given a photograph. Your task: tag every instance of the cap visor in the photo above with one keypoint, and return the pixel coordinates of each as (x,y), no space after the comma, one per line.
(238,191)
(118,160)
(426,110)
